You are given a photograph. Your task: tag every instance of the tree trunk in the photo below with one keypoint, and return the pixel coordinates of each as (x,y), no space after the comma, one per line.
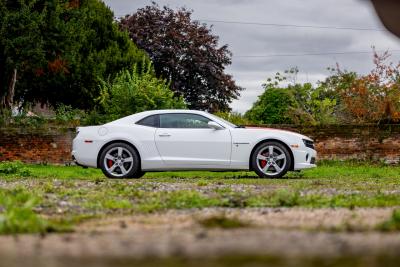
(8,99)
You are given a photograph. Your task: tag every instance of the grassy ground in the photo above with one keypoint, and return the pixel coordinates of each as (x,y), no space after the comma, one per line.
(39,198)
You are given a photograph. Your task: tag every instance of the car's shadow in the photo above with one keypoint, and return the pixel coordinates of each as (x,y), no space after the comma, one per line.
(217,176)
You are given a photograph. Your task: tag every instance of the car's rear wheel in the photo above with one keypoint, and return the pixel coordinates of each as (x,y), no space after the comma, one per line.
(271,160)
(120,160)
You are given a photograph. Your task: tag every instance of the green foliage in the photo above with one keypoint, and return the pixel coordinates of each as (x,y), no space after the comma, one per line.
(5,116)
(323,110)
(85,193)
(61,49)
(95,117)
(67,114)
(17,215)
(233,117)
(312,108)
(284,198)
(136,91)
(64,116)
(294,103)
(14,168)
(343,97)
(272,107)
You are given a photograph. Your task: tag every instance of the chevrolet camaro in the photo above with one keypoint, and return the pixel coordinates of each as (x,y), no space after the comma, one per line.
(166,140)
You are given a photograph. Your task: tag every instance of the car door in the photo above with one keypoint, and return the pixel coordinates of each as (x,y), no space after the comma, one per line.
(185,139)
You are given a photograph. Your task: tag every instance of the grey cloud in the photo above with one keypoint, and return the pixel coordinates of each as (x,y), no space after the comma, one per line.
(250,73)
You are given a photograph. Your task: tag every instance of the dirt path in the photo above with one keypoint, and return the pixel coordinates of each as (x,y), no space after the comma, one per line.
(284,233)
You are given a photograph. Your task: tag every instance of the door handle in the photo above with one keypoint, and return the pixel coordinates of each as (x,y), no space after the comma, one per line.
(164,135)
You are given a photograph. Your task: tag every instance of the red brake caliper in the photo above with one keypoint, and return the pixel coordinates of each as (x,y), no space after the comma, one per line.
(263,163)
(110,163)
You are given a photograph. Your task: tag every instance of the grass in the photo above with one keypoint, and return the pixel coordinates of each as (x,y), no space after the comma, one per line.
(17,214)
(40,198)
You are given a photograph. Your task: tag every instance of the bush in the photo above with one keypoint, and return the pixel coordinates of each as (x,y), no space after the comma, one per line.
(295,103)
(272,107)
(136,91)
(14,168)
(371,98)
(67,114)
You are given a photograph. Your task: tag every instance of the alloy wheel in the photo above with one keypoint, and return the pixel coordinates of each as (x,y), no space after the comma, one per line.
(271,160)
(118,161)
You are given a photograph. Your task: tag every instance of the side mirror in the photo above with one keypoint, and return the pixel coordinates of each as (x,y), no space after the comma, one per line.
(214,125)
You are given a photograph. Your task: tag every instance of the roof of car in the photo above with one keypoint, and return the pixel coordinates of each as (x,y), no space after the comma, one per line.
(138,116)
(171,111)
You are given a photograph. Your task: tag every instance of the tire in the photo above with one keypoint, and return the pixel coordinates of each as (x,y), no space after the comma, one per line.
(268,165)
(139,174)
(120,161)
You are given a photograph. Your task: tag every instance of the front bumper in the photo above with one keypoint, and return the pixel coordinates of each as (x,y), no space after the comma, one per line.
(304,158)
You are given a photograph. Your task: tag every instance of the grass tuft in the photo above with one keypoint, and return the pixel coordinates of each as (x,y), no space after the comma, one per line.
(17,215)
(14,168)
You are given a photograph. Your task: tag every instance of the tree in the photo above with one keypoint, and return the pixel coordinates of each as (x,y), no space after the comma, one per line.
(61,50)
(293,103)
(187,54)
(272,107)
(21,45)
(371,98)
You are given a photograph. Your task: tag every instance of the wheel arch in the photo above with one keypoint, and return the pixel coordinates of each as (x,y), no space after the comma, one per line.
(291,168)
(117,141)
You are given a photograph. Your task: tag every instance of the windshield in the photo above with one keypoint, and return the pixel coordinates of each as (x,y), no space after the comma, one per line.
(225,121)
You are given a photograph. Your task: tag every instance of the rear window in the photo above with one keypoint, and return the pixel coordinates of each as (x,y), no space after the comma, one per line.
(150,121)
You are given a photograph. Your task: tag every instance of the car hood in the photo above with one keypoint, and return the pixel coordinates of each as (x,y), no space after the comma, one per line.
(274,131)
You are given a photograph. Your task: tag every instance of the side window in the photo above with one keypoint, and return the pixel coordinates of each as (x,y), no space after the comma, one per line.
(183,120)
(150,121)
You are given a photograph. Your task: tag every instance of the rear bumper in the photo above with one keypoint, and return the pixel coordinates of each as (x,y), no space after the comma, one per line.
(76,162)
(85,154)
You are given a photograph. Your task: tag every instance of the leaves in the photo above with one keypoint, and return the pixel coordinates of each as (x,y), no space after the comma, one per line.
(371,98)
(61,50)
(187,54)
(344,97)
(272,106)
(136,91)
(292,103)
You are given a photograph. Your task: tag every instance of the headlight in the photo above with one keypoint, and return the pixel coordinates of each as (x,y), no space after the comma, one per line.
(308,143)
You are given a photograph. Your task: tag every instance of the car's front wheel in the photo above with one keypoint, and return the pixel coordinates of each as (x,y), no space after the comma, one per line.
(271,160)
(120,160)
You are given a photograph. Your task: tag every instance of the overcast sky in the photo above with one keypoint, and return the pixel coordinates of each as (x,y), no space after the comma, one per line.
(256,40)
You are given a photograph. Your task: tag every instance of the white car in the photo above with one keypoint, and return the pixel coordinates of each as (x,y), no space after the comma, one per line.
(166,140)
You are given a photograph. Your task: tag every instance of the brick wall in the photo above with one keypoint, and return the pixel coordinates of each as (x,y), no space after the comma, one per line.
(50,145)
(362,142)
(53,145)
